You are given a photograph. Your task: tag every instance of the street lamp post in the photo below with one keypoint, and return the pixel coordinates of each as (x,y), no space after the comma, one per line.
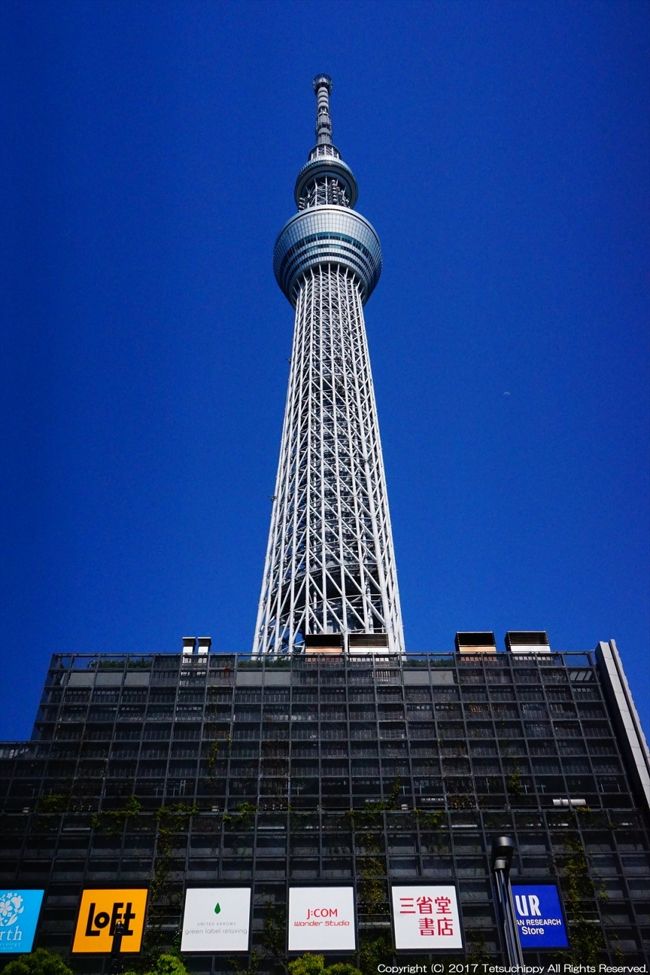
(116,948)
(503,849)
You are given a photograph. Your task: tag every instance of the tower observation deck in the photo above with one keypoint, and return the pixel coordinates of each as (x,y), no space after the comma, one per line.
(330,564)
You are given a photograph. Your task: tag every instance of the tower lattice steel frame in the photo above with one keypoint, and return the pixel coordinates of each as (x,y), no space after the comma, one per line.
(330,564)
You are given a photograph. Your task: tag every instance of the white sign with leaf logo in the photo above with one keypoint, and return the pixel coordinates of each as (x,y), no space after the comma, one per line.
(216,919)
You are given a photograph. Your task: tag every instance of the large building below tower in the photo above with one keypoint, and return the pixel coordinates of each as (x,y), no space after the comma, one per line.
(169,772)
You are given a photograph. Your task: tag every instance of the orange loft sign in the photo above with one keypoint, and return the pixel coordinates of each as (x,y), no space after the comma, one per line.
(110,920)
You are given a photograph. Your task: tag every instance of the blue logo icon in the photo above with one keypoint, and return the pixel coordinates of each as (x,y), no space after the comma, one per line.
(19,910)
(540,921)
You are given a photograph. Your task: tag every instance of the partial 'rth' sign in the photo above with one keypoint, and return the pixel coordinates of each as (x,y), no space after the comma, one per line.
(110,920)
(19,910)
(426,918)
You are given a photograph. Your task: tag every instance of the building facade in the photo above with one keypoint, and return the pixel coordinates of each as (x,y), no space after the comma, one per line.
(169,772)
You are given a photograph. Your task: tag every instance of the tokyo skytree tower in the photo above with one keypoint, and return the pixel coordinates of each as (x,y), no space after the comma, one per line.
(330,565)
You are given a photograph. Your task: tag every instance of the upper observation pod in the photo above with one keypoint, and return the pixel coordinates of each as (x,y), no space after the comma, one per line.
(324,169)
(326,231)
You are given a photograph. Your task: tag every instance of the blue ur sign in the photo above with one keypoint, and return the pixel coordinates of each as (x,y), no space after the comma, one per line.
(19,910)
(538,912)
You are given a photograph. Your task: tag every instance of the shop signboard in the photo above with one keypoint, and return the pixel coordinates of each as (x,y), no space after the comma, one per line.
(19,911)
(539,916)
(426,918)
(110,919)
(321,919)
(216,919)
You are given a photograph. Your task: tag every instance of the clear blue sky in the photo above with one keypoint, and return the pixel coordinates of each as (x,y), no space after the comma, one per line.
(502,153)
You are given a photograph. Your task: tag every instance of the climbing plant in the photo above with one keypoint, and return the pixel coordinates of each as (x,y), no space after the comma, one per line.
(242,818)
(587,942)
(112,821)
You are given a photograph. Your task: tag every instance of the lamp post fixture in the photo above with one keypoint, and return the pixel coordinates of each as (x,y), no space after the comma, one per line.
(503,849)
(115,964)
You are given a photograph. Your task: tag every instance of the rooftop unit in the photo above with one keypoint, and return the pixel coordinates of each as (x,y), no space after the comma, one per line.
(527,641)
(481,642)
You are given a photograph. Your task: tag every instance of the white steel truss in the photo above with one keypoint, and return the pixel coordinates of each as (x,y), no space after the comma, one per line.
(330,565)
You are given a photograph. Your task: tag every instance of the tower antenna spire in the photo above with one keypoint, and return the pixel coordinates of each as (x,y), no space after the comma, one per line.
(323,87)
